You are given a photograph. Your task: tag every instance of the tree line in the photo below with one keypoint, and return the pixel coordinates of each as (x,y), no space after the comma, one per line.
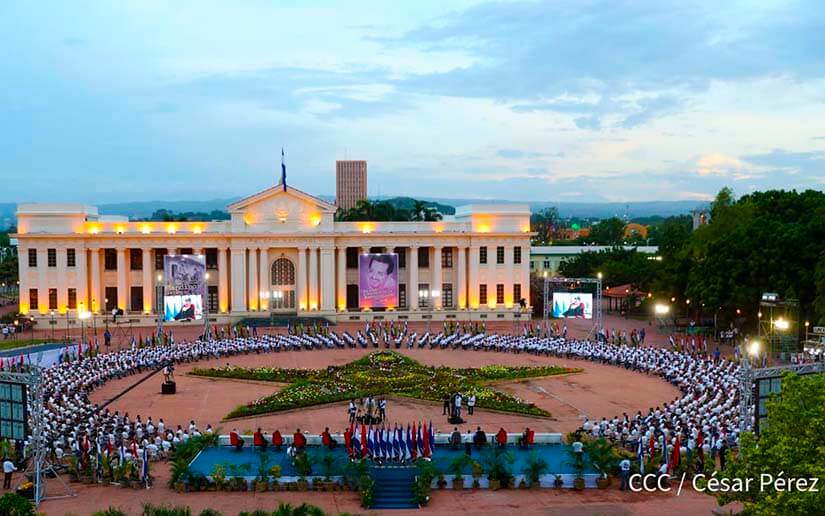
(772,241)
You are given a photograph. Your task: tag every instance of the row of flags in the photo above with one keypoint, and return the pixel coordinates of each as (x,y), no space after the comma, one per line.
(391,444)
(673,457)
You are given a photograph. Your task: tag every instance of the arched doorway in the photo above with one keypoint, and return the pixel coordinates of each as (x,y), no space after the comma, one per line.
(282,294)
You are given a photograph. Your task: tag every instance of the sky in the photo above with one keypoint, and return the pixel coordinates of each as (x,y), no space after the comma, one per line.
(524,100)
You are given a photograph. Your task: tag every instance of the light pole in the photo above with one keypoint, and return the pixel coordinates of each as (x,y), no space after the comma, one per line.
(16,329)
(31,320)
(51,322)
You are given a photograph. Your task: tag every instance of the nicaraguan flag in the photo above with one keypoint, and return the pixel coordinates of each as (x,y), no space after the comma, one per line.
(432,438)
(402,444)
(356,444)
(420,442)
(370,442)
(283,169)
(640,454)
(396,447)
(145,472)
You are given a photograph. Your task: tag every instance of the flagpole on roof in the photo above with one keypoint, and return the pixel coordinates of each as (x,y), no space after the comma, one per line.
(283,169)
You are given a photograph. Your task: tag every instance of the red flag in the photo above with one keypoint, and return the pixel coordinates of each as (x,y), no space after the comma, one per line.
(21,360)
(426,443)
(700,441)
(363,440)
(652,446)
(414,450)
(675,456)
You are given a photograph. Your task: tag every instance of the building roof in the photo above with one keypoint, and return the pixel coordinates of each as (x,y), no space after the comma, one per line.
(561,250)
(275,190)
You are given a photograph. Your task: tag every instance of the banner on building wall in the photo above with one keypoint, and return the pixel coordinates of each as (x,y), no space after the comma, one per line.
(378,280)
(184,287)
(576,305)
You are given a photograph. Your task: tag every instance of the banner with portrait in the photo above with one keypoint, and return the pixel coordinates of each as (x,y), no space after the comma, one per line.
(575,305)
(378,280)
(184,287)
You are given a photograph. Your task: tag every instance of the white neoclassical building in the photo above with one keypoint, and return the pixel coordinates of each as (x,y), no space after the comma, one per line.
(282,253)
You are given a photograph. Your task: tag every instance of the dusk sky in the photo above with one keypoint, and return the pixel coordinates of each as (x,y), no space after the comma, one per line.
(543,101)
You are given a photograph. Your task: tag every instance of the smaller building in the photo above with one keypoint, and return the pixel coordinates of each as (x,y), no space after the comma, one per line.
(350,183)
(548,258)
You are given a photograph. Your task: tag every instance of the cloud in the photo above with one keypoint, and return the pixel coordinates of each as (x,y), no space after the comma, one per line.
(718,165)
(650,108)
(518,154)
(588,122)
(789,162)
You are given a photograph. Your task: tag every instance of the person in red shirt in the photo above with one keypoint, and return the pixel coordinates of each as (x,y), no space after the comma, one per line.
(258,439)
(299,440)
(277,440)
(235,439)
(327,440)
(501,437)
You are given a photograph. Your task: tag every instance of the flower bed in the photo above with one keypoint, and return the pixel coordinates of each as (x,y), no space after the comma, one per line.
(384,373)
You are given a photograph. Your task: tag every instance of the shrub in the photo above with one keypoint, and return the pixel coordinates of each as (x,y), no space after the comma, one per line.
(535,468)
(111,511)
(12,504)
(158,510)
(210,512)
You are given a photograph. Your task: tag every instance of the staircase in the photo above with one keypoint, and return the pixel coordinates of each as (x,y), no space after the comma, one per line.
(393,487)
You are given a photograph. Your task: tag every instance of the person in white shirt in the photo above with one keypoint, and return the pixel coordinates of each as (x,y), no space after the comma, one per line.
(624,465)
(471,403)
(8,469)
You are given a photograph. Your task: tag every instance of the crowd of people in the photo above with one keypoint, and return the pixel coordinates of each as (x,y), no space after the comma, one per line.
(705,417)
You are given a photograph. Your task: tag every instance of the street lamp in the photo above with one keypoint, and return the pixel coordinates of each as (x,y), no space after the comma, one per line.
(753,348)
(661,309)
(16,330)
(599,275)
(51,322)
(31,320)
(781,324)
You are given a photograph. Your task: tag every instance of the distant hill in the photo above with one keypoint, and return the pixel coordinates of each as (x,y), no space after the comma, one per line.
(598,210)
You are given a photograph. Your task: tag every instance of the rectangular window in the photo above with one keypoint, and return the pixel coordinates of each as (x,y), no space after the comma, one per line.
(447,258)
(52,299)
(72,301)
(402,257)
(51,257)
(211,258)
(500,255)
(402,295)
(482,255)
(33,301)
(136,299)
(424,295)
(352,258)
(186,250)
(352,297)
(71,258)
(500,293)
(111,298)
(517,255)
(212,299)
(136,259)
(32,257)
(110,259)
(159,254)
(482,294)
(424,257)
(546,264)
(532,265)
(517,292)
(447,295)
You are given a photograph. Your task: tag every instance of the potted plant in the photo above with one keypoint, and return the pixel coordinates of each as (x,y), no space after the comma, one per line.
(354,471)
(534,469)
(261,482)
(328,465)
(442,482)
(497,464)
(457,467)
(219,477)
(424,481)
(366,490)
(558,482)
(602,455)
(476,483)
(477,470)
(275,473)
(304,467)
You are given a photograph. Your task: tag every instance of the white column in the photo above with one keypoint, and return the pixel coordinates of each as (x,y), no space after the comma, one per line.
(42,281)
(62,286)
(511,272)
(81,279)
(301,284)
(23,278)
(96,301)
(472,279)
(121,279)
(461,277)
(327,293)
(172,251)
(435,267)
(525,273)
(238,255)
(342,278)
(148,284)
(223,281)
(264,280)
(313,278)
(253,278)
(412,287)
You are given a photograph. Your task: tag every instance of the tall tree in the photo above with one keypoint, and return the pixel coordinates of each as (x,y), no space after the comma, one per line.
(607,232)
(546,223)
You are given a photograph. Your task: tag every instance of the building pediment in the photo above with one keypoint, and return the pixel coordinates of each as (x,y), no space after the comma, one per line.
(289,209)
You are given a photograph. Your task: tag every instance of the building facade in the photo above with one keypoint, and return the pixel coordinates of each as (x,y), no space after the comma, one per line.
(280,253)
(548,258)
(350,183)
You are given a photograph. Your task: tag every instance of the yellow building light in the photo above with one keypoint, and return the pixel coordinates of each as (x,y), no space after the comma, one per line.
(315,219)
(146,229)
(170,228)
(119,229)
(366,227)
(438,227)
(197,229)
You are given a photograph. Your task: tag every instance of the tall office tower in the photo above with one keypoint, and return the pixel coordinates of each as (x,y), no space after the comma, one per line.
(350,182)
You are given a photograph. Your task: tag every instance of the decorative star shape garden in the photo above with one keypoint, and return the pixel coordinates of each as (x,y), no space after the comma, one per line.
(384,373)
